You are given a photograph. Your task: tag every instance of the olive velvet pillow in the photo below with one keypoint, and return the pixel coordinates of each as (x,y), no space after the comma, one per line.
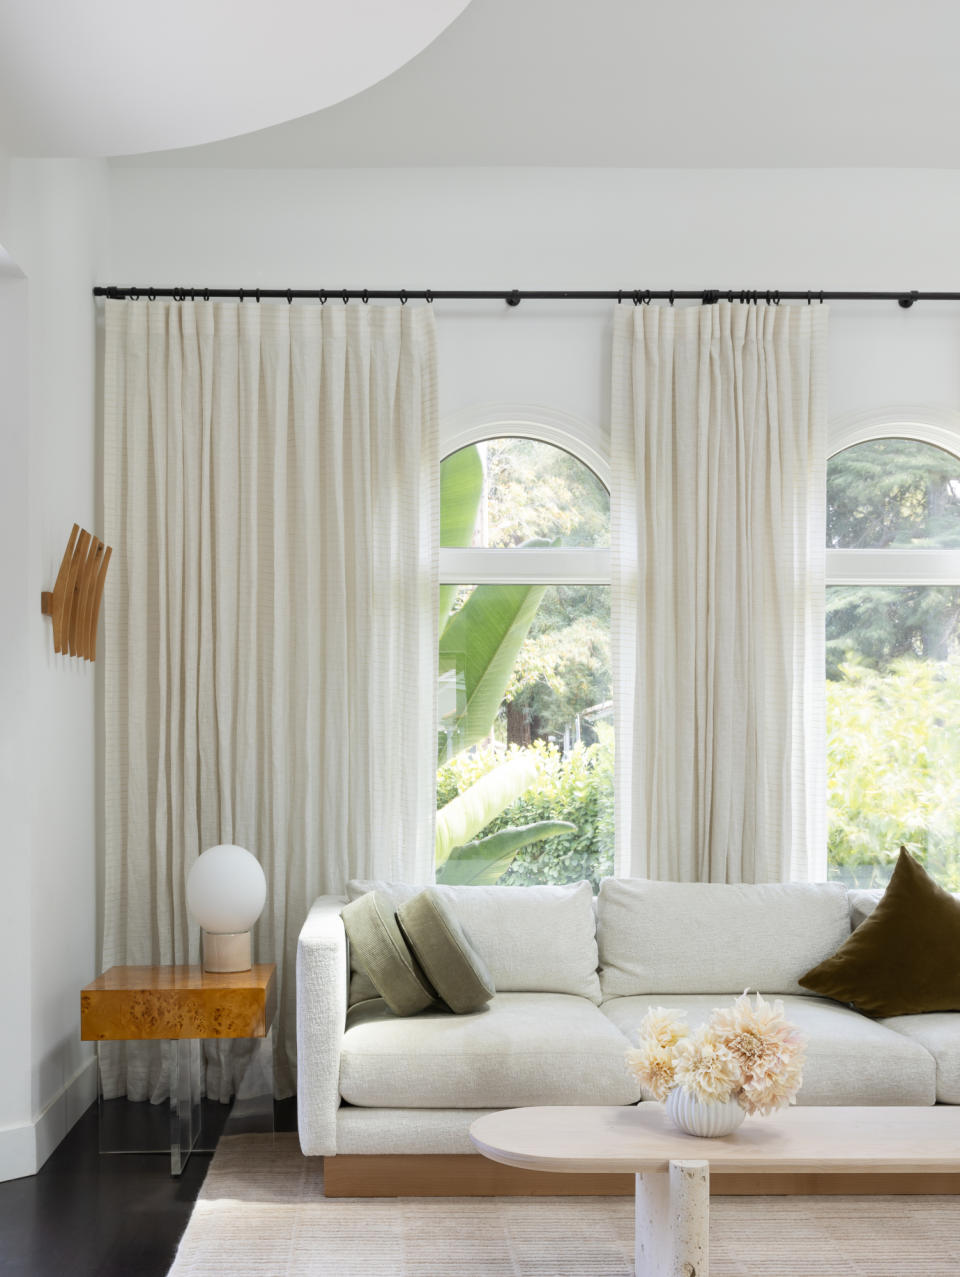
(905,957)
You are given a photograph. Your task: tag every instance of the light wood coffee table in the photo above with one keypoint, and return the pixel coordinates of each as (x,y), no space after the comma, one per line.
(673,1170)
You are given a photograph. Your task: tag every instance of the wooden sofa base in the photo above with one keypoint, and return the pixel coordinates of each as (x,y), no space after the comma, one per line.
(470,1175)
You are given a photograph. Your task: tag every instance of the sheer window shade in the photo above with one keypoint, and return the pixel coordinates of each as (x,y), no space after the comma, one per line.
(717,507)
(270,486)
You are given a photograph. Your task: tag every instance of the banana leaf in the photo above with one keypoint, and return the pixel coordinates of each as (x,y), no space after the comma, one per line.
(463,817)
(483,862)
(483,638)
(461,487)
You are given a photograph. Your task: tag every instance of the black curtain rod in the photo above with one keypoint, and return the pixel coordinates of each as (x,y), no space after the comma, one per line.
(514,296)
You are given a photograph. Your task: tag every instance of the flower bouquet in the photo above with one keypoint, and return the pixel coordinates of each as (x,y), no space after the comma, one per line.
(746,1059)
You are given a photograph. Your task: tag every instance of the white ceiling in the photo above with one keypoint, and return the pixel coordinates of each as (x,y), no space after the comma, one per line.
(647,83)
(106,77)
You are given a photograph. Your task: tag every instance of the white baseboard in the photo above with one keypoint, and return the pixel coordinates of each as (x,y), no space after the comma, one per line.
(25,1148)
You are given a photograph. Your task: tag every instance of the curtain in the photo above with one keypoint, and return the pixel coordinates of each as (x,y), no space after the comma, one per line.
(270,490)
(717,511)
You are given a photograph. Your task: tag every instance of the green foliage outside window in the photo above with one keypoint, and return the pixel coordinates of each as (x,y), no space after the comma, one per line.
(893,669)
(578,788)
(893,770)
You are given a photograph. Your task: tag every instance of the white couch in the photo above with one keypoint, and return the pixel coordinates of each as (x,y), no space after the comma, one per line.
(574,977)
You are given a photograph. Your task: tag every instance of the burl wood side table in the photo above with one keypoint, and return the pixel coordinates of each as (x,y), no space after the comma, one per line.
(183,1006)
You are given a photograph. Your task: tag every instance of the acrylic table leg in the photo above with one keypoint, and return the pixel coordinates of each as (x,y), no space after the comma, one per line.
(673,1221)
(184,1063)
(252,1110)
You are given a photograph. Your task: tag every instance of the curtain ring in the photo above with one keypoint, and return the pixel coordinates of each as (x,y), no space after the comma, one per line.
(346,297)
(365,296)
(768,296)
(258,296)
(193,294)
(206,294)
(151,295)
(809,298)
(646,296)
(776,297)
(821,296)
(133,296)
(240,293)
(322,297)
(403,297)
(636,297)
(671,297)
(619,296)
(730,296)
(429,296)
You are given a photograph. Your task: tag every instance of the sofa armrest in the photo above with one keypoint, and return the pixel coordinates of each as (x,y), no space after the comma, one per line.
(323,975)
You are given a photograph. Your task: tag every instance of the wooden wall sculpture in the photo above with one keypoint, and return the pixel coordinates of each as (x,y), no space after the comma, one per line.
(74,602)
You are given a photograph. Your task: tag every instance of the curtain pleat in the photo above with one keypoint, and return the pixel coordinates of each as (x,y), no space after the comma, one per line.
(270,490)
(717,512)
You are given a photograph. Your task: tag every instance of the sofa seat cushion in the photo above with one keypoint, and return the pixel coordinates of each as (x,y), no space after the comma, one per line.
(939,1033)
(669,937)
(849,1059)
(525,1048)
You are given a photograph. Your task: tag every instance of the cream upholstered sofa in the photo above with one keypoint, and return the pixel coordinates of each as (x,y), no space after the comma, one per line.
(574,977)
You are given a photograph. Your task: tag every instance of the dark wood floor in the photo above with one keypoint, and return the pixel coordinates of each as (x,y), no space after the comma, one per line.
(88,1215)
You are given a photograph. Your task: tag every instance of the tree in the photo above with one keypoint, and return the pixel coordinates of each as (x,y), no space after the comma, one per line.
(889,493)
(893,770)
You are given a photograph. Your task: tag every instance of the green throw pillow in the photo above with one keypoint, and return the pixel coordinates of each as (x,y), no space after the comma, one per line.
(451,964)
(379,949)
(905,957)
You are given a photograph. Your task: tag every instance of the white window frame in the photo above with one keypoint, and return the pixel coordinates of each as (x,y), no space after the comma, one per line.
(932,424)
(563,565)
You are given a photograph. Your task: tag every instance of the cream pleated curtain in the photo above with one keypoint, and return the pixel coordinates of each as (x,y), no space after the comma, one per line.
(270,491)
(717,507)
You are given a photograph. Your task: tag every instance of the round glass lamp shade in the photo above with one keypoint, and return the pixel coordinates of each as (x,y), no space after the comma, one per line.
(226,889)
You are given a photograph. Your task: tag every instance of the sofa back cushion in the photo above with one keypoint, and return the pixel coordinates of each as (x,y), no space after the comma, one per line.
(532,939)
(863,901)
(677,937)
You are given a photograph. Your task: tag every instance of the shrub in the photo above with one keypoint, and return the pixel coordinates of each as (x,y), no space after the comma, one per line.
(893,770)
(578,788)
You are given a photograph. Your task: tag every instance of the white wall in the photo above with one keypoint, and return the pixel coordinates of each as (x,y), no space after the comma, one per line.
(549,228)
(15,770)
(49,862)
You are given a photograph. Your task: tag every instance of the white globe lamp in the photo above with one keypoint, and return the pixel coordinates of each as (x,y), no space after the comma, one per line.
(226,891)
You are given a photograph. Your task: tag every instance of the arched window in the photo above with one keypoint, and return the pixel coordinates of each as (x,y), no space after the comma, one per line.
(525,730)
(893,651)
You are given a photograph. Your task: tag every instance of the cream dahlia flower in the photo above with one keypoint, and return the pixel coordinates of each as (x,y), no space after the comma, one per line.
(663,1026)
(652,1066)
(764,1095)
(768,1050)
(706,1068)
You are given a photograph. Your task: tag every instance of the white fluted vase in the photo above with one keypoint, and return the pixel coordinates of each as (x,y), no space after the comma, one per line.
(697,1118)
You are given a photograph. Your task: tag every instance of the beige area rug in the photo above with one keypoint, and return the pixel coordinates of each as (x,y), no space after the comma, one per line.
(262,1213)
